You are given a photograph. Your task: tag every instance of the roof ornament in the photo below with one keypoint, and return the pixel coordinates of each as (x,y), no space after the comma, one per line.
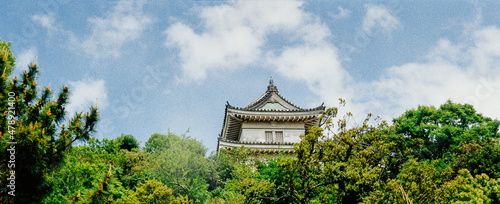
(271,86)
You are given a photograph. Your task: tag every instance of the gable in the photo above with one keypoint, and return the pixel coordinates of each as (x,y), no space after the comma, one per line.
(273,106)
(272,100)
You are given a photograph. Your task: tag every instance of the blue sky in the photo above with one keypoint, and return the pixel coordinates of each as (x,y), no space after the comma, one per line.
(156,66)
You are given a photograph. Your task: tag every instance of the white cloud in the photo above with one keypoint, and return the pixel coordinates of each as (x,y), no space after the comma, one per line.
(343,13)
(124,24)
(233,35)
(47,21)
(446,50)
(227,49)
(84,94)
(486,51)
(319,66)
(464,74)
(378,16)
(25,58)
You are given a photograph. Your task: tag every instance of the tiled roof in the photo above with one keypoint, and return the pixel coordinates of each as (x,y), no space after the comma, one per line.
(272,100)
(271,96)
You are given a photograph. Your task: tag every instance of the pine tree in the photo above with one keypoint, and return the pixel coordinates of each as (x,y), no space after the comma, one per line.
(34,132)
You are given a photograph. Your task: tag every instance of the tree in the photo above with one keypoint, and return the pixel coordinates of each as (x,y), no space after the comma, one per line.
(431,146)
(127,142)
(241,178)
(338,166)
(426,182)
(151,192)
(441,131)
(478,158)
(222,166)
(84,169)
(158,142)
(135,167)
(468,189)
(270,170)
(8,61)
(179,162)
(104,192)
(418,182)
(247,185)
(37,125)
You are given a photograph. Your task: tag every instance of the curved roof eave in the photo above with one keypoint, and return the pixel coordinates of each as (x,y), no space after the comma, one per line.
(316,110)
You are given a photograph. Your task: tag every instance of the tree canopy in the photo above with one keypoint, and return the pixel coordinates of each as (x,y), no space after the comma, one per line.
(34,127)
(444,129)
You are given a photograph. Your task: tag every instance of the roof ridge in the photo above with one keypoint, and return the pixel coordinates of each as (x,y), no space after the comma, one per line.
(289,102)
(270,89)
(320,107)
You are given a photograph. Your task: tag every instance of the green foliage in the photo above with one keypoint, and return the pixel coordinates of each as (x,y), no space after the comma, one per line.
(421,182)
(37,122)
(248,185)
(231,197)
(239,176)
(127,142)
(223,164)
(338,167)
(159,142)
(84,170)
(135,166)
(106,191)
(270,170)
(479,158)
(468,189)
(180,163)
(129,198)
(7,61)
(151,192)
(443,130)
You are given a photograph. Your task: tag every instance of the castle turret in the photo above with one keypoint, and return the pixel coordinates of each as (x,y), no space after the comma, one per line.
(269,124)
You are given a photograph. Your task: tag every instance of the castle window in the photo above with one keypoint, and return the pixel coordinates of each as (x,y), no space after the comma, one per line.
(269,136)
(279,136)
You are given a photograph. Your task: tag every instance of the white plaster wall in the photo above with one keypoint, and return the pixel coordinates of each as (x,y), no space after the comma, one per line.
(256,131)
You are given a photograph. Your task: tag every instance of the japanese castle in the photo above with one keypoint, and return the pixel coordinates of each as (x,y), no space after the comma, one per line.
(269,124)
